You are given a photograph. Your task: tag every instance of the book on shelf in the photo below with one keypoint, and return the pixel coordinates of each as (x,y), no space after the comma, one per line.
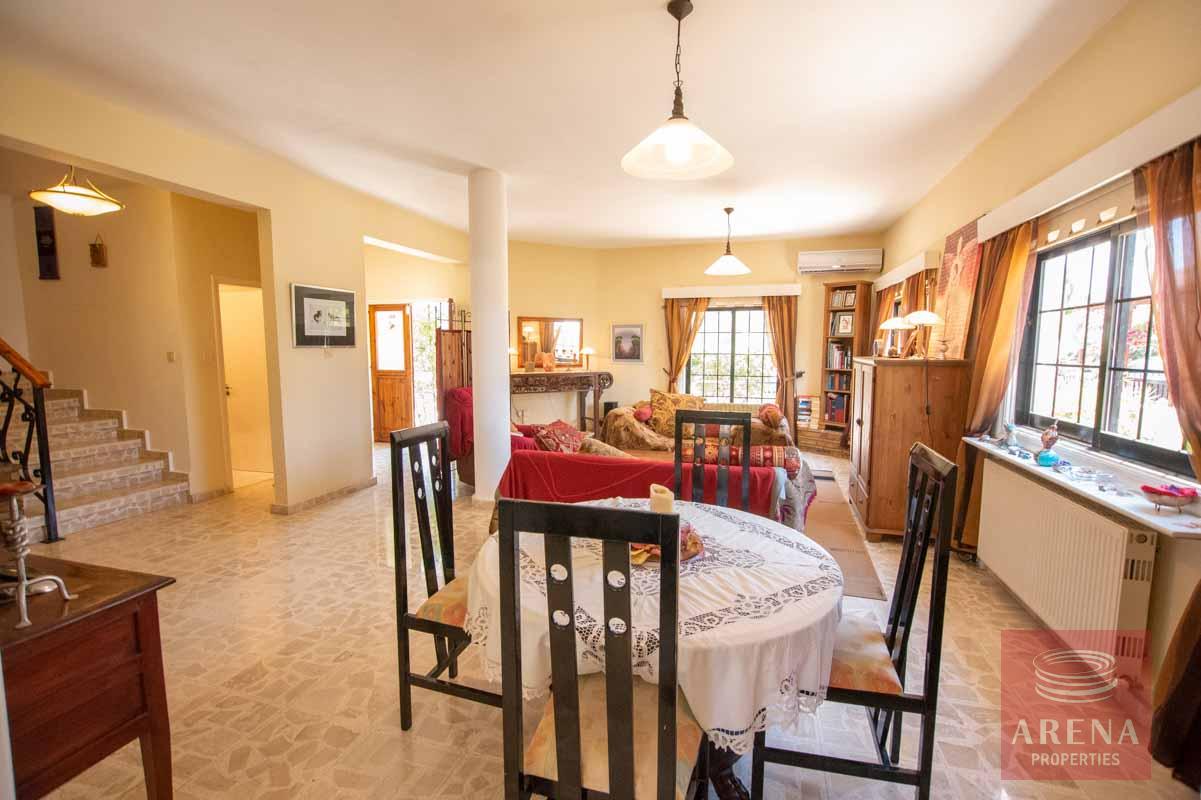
(836,408)
(839,381)
(804,411)
(838,356)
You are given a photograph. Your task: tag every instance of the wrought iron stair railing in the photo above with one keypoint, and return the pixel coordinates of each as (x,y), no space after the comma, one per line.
(23,406)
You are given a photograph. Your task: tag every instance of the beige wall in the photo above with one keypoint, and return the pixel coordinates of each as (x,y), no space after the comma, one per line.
(12,298)
(244,357)
(210,241)
(311,231)
(1144,58)
(393,277)
(107,331)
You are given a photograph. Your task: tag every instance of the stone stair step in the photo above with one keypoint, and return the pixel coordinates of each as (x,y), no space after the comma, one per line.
(102,427)
(70,483)
(92,510)
(92,454)
(63,406)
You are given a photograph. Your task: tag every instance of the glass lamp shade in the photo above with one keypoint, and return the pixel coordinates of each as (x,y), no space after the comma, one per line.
(923,317)
(679,151)
(81,201)
(896,324)
(728,264)
(588,351)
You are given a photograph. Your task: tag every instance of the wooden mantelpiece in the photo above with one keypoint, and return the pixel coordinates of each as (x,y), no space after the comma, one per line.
(86,678)
(581,382)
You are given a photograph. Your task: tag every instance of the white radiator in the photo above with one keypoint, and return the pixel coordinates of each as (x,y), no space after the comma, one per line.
(1073,568)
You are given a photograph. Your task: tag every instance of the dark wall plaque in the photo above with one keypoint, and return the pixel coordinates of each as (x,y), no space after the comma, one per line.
(43,225)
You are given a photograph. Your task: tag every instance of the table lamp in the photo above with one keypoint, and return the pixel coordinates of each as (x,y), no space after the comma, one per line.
(588,353)
(921,318)
(891,324)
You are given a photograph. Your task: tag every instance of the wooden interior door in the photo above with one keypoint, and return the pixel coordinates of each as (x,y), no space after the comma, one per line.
(391,368)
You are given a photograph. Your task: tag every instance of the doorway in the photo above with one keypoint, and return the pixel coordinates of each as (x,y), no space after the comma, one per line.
(391,368)
(244,370)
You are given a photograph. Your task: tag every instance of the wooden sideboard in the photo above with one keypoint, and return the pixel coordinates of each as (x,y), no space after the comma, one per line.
(887,417)
(86,678)
(581,382)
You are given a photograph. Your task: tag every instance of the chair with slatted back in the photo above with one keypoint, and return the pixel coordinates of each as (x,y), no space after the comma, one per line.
(444,611)
(709,425)
(608,735)
(869,664)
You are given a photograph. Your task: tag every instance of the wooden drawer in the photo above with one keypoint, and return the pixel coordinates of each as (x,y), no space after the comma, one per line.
(859,498)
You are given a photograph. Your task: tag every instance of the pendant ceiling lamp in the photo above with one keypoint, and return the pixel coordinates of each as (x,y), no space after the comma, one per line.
(728,264)
(677,150)
(70,197)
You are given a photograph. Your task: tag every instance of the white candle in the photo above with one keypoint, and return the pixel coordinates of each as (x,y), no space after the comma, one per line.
(662,499)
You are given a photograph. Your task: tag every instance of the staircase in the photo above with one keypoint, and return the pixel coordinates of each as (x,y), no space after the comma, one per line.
(100,471)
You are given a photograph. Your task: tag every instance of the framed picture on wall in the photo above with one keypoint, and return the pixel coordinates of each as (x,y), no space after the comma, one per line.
(627,344)
(322,317)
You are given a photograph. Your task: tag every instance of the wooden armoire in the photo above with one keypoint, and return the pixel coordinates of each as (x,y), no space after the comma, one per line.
(888,416)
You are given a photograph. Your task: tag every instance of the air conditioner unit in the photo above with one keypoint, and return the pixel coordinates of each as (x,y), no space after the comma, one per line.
(840,261)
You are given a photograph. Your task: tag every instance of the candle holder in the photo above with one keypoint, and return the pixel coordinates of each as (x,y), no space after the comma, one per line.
(16,541)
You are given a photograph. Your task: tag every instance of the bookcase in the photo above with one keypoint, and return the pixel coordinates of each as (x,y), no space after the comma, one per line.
(846,331)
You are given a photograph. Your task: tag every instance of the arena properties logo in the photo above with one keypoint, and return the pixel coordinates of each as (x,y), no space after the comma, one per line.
(1074,713)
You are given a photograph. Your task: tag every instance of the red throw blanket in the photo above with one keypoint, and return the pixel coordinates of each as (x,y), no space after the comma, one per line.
(460,418)
(574,477)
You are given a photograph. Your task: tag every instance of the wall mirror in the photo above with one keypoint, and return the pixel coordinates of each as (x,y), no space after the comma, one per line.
(564,337)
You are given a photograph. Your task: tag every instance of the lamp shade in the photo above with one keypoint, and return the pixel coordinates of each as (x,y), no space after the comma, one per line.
(728,264)
(896,324)
(587,351)
(677,150)
(924,318)
(70,197)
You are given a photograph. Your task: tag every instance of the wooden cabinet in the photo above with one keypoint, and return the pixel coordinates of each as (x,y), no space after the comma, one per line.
(888,416)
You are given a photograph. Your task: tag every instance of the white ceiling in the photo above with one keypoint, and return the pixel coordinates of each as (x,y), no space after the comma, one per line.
(840,115)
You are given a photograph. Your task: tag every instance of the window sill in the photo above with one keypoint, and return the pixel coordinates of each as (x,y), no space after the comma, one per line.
(1129,476)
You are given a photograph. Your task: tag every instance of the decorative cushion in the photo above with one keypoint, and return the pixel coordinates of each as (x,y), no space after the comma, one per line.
(761,455)
(513,428)
(559,437)
(770,415)
(664,406)
(540,757)
(595,447)
(861,659)
(642,412)
(448,605)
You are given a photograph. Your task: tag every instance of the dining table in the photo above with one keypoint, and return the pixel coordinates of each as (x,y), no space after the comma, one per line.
(758,611)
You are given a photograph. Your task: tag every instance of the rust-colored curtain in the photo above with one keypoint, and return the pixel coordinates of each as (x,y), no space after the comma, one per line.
(994,338)
(1168,196)
(914,297)
(683,317)
(884,301)
(781,320)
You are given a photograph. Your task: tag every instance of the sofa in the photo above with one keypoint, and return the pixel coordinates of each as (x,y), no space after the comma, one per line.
(650,424)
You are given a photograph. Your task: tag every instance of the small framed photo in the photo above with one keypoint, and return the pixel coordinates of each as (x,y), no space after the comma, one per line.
(844,325)
(322,317)
(627,344)
(849,298)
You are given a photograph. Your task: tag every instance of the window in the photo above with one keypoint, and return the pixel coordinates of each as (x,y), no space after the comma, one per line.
(731,359)
(1090,358)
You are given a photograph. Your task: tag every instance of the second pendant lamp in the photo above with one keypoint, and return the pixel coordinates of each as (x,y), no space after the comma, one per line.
(728,264)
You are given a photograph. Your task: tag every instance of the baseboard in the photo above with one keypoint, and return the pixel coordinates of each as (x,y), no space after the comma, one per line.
(204,497)
(292,508)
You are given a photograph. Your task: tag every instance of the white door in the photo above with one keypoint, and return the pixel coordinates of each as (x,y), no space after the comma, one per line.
(244,353)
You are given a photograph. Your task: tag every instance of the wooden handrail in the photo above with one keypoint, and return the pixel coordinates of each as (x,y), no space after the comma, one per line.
(34,375)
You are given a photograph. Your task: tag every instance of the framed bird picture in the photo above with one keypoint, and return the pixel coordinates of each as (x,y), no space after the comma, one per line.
(322,317)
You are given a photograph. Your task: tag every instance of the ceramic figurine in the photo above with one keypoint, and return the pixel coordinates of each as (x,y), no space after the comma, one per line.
(1011,435)
(1048,457)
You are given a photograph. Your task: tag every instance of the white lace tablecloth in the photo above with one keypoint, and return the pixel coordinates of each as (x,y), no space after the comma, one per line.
(757,617)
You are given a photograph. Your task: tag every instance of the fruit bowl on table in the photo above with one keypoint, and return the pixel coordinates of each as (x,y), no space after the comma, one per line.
(691,546)
(1169,495)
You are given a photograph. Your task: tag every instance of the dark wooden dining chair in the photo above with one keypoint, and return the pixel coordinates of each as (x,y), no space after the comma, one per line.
(869,665)
(719,425)
(444,611)
(600,736)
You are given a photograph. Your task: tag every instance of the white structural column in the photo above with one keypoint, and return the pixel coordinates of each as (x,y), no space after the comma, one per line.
(488,214)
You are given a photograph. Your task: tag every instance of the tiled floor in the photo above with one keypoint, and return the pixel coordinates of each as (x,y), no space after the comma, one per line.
(279,641)
(245,477)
